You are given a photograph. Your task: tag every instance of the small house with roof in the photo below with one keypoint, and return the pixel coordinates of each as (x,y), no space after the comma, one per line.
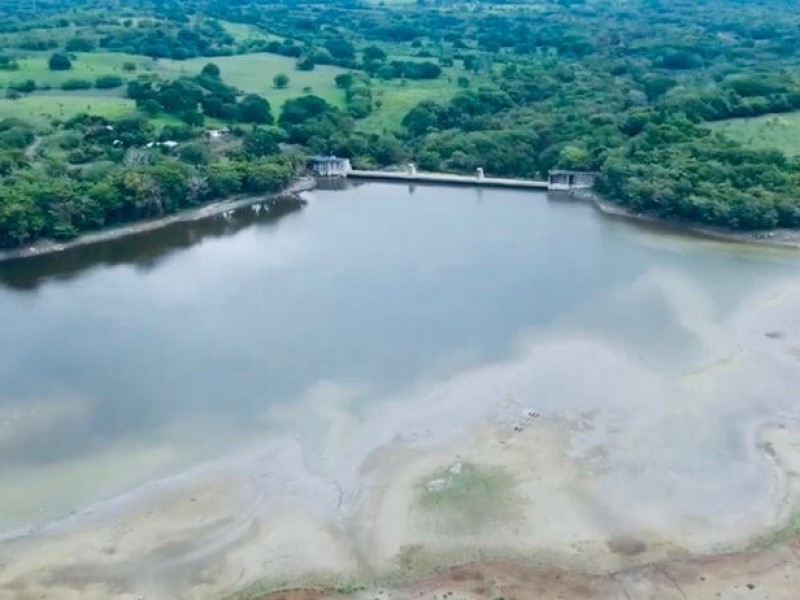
(215,134)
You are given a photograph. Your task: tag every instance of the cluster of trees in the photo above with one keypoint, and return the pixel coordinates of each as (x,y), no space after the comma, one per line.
(36,44)
(406,69)
(117,171)
(358,93)
(620,88)
(312,122)
(105,82)
(59,61)
(659,160)
(32,206)
(15,136)
(8,63)
(675,169)
(126,178)
(469,109)
(171,40)
(169,34)
(740,96)
(192,98)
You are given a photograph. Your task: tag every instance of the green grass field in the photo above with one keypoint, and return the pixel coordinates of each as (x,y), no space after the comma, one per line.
(770,132)
(33,65)
(254,73)
(244,32)
(397,97)
(40,109)
(248,72)
(467,497)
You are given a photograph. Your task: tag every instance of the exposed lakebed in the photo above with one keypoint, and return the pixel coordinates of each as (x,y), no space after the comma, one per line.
(395,339)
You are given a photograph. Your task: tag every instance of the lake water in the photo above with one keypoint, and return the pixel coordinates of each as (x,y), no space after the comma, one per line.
(128,361)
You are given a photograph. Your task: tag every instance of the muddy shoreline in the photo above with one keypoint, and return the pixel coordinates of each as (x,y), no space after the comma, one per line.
(224,531)
(45,247)
(538,482)
(782,238)
(766,573)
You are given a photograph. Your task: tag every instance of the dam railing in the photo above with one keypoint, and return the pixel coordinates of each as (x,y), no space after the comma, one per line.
(447,178)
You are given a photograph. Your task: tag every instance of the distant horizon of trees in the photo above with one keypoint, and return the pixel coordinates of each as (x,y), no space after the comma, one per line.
(625,89)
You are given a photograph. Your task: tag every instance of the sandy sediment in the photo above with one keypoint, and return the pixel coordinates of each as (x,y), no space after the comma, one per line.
(512,505)
(767,574)
(683,486)
(199,535)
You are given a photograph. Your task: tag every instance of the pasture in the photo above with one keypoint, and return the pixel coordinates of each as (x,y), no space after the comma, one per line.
(248,72)
(245,33)
(33,65)
(41,108)
(769,132)
(254,73)
(397,97)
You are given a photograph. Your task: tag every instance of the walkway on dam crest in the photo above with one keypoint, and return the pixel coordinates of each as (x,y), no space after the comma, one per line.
(557,179)
(416,177)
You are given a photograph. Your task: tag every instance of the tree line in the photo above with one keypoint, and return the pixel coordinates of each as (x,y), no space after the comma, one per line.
(626,89)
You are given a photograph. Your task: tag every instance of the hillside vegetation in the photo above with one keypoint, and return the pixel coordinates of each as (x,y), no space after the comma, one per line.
(630,89)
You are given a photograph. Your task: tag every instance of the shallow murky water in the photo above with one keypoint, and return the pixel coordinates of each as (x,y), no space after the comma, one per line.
(125,362)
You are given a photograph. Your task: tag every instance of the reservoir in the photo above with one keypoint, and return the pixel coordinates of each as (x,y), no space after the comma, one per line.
(337,326)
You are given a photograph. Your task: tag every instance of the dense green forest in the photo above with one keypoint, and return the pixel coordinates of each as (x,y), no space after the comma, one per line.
(629,88)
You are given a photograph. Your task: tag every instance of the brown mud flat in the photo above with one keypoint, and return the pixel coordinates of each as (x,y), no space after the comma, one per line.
(566,503)
(772,573)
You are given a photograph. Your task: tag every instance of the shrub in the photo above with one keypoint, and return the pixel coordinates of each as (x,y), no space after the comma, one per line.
(79,45)
(16,137)
(211,70)
(23,87)
(195,153)
(59,62)
(305,64)
(108,82)
(281,80)
(76,84)
(7,63)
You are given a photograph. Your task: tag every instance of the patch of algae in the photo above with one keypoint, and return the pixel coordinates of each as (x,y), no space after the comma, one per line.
(789,531)
(467,498)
